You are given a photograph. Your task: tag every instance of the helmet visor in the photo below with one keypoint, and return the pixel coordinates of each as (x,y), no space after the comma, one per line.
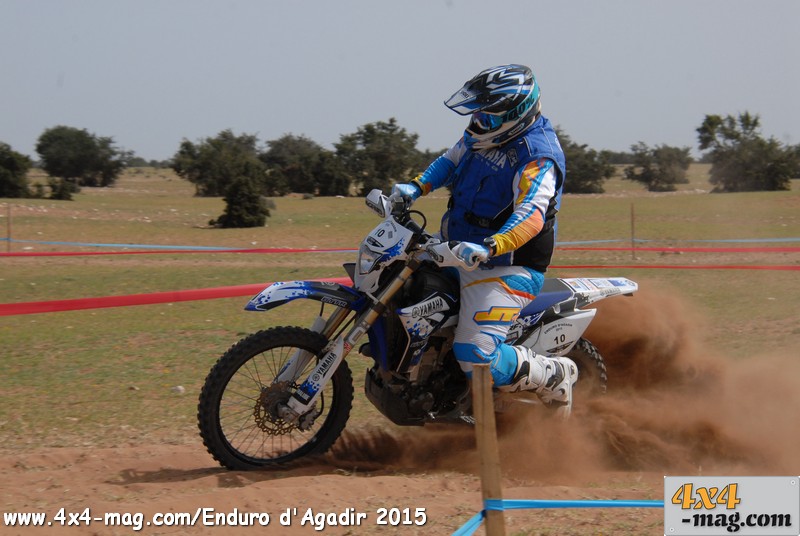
(487,122)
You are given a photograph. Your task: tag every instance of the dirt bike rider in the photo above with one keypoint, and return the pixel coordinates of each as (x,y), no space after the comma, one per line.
(506,175)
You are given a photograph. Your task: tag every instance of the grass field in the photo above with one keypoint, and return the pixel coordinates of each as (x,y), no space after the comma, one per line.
(108,376)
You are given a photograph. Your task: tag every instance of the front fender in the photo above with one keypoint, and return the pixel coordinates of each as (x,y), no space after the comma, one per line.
(326,292)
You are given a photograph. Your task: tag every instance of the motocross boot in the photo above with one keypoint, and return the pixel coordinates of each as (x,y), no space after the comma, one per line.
(551,378)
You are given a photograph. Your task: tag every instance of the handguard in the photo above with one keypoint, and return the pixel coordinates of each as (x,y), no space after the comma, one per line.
(443,254)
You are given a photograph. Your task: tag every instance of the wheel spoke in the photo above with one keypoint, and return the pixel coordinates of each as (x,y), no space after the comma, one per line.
(243,432)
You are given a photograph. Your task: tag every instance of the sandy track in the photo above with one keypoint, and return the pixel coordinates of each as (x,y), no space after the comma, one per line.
(164,478)
(673,409)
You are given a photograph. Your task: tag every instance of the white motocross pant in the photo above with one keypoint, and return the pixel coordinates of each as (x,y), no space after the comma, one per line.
(491,299)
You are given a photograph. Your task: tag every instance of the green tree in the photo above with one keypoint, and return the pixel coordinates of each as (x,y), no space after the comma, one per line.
(14,168)
(293,164)
(109,163)
(62,189)
(332,178)
(659,168)
(587,169)
(378,155)
(796,151)
(213,164)
(74,157)
(741,159)
(244,205)
(620,158)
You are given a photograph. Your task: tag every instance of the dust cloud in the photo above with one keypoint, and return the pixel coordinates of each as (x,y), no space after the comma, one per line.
(672,407)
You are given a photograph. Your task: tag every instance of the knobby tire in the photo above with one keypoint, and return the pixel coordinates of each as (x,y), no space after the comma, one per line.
(592,373)
(226,410)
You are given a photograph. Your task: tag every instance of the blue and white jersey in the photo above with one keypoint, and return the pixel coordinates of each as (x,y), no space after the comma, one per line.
(511,192)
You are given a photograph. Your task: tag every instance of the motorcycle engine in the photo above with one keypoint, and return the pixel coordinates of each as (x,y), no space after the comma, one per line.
(425,382)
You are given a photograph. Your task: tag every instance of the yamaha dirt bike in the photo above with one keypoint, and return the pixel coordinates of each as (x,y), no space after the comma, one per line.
(286,392)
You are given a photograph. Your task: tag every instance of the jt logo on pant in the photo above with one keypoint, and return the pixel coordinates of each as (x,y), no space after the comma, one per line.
(496,315)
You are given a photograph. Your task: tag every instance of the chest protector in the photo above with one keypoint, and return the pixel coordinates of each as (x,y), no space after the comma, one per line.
(482,196)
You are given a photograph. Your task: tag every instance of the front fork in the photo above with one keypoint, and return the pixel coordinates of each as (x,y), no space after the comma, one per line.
(300,358)
(304,398)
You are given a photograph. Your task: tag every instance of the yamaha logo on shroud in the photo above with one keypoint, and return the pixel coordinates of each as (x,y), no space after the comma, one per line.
(428,307)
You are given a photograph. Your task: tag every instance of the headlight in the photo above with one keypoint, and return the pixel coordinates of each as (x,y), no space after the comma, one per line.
(367,259)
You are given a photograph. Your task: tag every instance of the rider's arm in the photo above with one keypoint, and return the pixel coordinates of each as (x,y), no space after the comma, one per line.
(534,187)
(440,172)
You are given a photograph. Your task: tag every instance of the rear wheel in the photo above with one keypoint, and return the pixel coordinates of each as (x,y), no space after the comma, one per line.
(236,410)
(592,374)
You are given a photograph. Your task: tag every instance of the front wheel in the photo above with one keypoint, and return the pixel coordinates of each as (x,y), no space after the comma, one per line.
(235,412)
(592,374)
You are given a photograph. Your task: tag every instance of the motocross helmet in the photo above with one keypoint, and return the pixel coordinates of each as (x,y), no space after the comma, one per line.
(503,102)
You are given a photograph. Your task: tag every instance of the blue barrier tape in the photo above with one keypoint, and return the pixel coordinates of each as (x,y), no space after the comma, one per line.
(501,504)
(510,504)
(470,526)
(99,245)
(577,242)
(222,248)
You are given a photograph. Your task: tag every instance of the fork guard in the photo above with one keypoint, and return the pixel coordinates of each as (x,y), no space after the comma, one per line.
(283,292)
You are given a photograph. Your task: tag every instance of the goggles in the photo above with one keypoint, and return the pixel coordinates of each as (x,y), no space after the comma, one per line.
(487,122)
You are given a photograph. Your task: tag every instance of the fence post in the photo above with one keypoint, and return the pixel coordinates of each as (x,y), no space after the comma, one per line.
(8,228)
(633,233)
(488,450)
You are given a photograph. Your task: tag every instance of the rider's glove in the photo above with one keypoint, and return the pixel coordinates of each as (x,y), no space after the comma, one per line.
(405,189)
(472,254)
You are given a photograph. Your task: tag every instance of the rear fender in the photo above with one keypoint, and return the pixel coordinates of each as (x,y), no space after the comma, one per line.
(558,336)
(283,292)
(591,289)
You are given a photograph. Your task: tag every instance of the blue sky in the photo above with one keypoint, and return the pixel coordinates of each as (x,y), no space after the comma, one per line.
(150,73)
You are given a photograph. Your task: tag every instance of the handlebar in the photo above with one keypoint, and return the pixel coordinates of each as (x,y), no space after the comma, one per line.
(441,252)
(417,229)
(398,207)
(401,210)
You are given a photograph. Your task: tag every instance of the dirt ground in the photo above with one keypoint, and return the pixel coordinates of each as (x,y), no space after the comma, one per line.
(162,478)
(674,409)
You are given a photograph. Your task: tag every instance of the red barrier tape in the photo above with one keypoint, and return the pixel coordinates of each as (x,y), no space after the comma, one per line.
(27,308)
(688,249)
(170,252)
(682,267)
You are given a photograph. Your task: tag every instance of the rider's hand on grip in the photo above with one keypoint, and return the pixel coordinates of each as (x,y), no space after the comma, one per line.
(472,254)
(459,254)
(405,190)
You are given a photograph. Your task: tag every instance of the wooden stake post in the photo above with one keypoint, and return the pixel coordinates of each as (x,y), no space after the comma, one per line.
(633,233)
(488,450)
(8,228)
